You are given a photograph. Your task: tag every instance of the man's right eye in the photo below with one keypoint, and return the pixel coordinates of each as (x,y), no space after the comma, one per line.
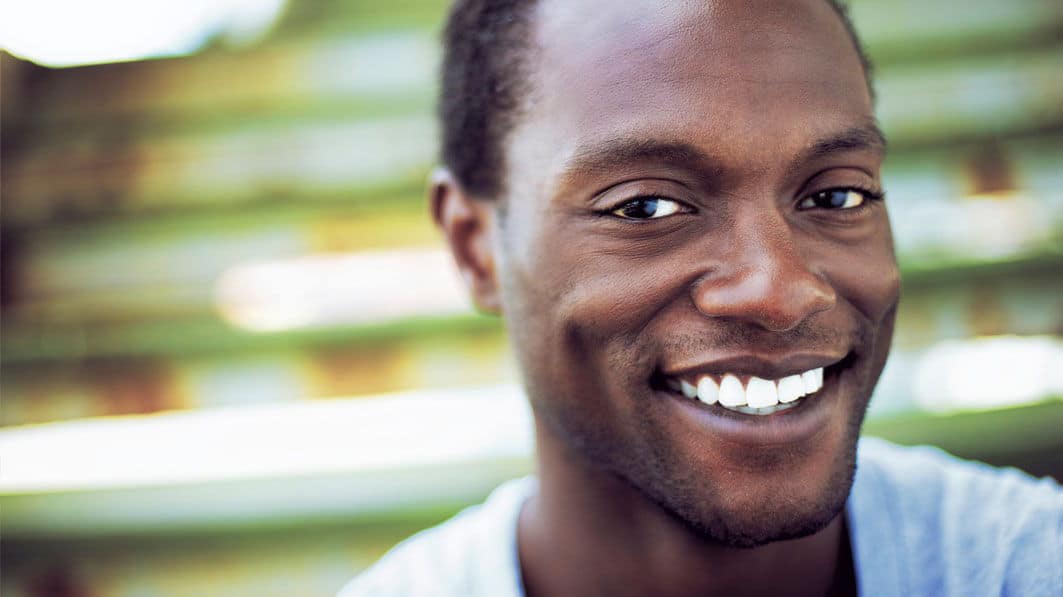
(647,208)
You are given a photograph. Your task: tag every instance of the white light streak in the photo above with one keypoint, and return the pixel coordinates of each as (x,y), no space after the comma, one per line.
(991,372)
(415,429)
(333,289)
(71,32)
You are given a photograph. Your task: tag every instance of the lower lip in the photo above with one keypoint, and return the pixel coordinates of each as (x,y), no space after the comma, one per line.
(801,423)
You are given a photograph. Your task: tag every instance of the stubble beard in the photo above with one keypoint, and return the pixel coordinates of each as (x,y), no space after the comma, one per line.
(698,505)
(696,502)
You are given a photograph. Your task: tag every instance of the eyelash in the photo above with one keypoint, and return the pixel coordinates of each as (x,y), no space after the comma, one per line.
(868,194)
(681,206)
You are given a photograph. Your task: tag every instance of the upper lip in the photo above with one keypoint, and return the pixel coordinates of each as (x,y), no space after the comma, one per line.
(756,365)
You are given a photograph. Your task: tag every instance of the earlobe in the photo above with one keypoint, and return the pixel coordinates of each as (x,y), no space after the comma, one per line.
(468,225)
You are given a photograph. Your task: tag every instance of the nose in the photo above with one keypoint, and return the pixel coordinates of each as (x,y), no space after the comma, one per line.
(764,280)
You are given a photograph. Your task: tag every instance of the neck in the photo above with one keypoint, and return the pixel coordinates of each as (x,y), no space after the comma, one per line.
(588,532)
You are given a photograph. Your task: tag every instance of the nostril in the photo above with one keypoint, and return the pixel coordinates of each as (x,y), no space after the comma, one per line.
(804,303)
(815,294)
(794,300)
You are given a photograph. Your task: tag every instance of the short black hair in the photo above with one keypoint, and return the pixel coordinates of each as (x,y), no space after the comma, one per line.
(485,43)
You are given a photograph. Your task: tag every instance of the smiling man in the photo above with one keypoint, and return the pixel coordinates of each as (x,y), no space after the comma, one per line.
(678,210)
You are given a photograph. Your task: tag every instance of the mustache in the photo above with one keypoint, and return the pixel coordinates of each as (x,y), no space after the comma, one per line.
(736,336)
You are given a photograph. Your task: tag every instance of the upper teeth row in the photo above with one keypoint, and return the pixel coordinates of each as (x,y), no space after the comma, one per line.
(757,393)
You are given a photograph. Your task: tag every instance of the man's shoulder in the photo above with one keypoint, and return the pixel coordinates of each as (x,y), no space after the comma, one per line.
(473,553)
(953,524)
(931,482)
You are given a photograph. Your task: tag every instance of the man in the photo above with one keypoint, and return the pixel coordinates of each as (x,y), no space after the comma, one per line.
(677,208)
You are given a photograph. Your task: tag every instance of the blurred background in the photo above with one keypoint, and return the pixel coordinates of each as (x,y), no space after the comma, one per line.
(236,359)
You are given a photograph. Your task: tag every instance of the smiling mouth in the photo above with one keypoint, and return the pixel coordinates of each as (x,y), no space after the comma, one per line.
(751,395)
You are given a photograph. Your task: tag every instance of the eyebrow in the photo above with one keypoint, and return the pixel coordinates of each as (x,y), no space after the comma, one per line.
(634,150)
(620,152)
(864,137)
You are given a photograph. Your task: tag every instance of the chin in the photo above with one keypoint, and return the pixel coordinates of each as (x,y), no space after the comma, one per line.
(743,491)
(752,496)
(758,511)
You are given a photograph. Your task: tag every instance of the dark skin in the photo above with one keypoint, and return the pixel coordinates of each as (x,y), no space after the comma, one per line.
(693,188)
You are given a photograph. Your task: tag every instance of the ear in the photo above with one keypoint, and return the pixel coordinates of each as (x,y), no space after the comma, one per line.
(468,225)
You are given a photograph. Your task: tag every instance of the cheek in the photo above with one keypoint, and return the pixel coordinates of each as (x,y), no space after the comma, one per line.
(578,315)
(865,274)
(875,290)
(604,296)
(574,318)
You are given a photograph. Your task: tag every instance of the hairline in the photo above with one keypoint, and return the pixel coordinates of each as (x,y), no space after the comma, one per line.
(494,143)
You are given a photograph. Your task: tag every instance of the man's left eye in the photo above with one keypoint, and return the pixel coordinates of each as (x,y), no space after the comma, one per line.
(835,199)
(647,208)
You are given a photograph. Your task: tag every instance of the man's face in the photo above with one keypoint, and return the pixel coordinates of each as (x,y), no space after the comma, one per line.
(690,196)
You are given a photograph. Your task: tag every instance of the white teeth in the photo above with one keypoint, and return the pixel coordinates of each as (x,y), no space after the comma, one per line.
(708,391)
(791,388)
(731,391)
(690,391)
(761,393)
(767,410)
(758,397)
(813,380)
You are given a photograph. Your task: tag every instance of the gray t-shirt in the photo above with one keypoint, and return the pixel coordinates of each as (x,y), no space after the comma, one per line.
(921,522)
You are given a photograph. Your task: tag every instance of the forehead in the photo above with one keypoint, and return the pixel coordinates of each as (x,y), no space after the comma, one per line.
(727,76)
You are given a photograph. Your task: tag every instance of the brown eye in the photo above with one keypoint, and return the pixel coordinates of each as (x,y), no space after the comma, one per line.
(835,199)
(647,208)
